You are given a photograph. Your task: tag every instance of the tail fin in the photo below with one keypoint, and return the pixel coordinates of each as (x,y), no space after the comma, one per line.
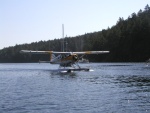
(52,57)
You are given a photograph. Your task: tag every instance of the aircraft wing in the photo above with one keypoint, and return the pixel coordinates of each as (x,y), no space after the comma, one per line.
(43,52)
(54,52)
(36,52)
(91,52)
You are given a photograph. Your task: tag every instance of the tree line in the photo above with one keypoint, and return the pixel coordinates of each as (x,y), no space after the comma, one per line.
(127,41)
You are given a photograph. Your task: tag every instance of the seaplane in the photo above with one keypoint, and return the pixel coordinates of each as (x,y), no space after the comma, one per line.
(68,61)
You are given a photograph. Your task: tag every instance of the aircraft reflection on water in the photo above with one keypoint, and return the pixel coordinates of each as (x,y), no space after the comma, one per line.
(148,62)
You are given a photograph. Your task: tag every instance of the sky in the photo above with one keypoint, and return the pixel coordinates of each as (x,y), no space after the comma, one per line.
(27,21)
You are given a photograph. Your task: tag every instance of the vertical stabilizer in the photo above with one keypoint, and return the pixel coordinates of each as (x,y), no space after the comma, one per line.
(52,57)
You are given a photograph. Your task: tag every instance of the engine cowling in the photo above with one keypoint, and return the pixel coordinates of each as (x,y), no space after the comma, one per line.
(75,58)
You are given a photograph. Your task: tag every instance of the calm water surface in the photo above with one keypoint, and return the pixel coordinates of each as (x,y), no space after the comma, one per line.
(110,88)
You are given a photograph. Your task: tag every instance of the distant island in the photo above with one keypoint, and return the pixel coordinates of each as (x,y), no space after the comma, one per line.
(127,41)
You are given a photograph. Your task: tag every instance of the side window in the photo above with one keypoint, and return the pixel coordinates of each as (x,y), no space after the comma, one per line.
(59,57)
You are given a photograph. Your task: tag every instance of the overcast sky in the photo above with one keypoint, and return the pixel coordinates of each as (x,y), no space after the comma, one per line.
(26,21)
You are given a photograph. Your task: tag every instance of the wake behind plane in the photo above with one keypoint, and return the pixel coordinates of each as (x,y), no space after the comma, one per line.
(68,61)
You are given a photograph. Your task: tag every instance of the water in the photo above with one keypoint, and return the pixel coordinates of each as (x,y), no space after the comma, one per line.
(111,88)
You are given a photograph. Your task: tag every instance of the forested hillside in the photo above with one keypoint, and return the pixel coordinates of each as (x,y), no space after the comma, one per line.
(127,41)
